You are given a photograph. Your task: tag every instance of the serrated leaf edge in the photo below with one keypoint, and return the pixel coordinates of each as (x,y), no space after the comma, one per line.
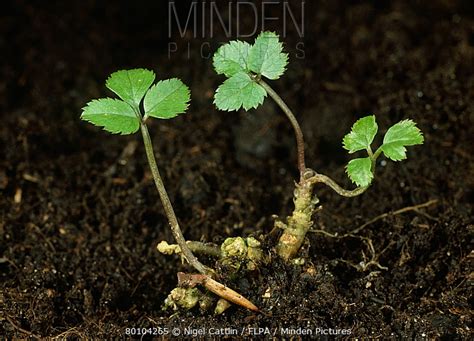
(284,54)
(353,180)
(188,93)
(352,133)
(260,102)
(219,53)
(411,124)
(130,82)
(82,117)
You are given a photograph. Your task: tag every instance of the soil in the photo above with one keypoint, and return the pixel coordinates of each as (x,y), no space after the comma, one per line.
(80,218)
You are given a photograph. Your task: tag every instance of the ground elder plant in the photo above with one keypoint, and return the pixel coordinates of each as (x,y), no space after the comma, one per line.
(246,68)
(140,100)
(164,100)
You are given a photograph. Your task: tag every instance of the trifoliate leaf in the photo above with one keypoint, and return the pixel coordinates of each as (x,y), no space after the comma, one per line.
(266,56)
(115,116)
(167,99)
(131,85)
(359,171)
(404,133)
(239,91)
(361,135)
(231,58)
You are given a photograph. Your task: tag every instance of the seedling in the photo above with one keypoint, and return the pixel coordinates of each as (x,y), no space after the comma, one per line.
(139,100)
(164,100)
(245,67)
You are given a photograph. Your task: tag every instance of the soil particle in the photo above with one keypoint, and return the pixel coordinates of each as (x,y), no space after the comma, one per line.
(78,247)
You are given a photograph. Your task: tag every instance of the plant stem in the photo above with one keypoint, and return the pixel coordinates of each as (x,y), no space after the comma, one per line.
(320,178)
(299,223)
(173,221)
(377,153)
(293,121)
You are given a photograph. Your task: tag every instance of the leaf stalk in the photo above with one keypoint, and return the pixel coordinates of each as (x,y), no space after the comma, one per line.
(169,211)
(294,122)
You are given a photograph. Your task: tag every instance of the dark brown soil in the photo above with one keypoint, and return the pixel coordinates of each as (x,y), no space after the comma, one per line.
(80,217)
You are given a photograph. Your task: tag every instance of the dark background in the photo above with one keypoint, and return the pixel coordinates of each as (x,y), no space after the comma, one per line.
(80,218)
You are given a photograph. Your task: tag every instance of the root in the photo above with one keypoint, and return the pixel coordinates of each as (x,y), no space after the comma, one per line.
(397,212)
(197,247)
(191,280)
(24,331)
(373,261)
(233,253)
(366,263)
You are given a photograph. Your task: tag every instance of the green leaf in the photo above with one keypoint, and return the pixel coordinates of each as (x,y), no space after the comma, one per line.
(115,116)
(239,91)
(266,56)
(167,99)
(359,171)
(361,135)
(402,134)
(231,58)
(131,85)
